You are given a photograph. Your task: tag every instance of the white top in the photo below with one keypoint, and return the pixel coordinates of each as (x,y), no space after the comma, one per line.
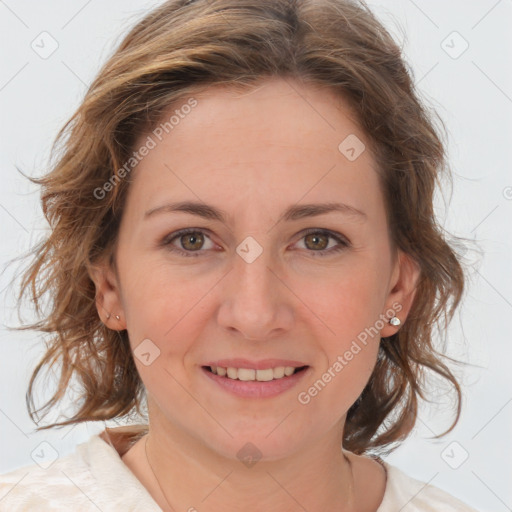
(94,478)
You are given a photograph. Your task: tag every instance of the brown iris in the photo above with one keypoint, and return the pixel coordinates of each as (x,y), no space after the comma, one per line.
(317,238)
(192,241)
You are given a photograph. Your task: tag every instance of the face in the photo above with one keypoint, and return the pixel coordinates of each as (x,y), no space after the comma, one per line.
(266,279)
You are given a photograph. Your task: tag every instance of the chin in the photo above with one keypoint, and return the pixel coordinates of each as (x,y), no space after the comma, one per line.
(257,443)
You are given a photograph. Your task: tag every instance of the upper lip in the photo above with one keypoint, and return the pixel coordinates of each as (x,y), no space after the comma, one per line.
(255,365)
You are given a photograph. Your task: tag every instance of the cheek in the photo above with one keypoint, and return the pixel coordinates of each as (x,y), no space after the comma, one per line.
(348,302)
(163,314)
(164,305)
(349,336)
(337,383)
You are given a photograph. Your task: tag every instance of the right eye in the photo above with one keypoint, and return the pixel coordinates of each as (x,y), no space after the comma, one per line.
(191,241)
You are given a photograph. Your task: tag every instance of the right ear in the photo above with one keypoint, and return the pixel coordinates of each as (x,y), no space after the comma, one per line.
(108,297)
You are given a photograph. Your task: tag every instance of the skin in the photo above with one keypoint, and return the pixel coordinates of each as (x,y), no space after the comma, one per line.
(254,154)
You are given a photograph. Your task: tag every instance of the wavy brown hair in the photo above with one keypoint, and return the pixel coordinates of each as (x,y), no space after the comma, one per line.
(183,47)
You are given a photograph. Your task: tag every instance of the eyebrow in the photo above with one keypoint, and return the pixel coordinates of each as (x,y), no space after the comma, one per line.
(292,213)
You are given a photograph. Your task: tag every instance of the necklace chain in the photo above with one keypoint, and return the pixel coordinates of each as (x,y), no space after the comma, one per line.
(154,474)
(351,485)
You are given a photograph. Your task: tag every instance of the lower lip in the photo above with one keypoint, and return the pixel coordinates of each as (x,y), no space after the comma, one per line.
(256,389)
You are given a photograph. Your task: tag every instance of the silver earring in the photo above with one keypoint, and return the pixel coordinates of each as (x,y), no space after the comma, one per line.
(394,321)
(118,317)
(108,316)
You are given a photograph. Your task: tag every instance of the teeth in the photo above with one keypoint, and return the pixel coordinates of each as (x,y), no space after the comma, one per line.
(247,374)
(264,375)
(288,370)
(279,372)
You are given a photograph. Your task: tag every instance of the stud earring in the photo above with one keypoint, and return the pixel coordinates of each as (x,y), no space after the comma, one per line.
(394,321)
(108,316)
(118,317)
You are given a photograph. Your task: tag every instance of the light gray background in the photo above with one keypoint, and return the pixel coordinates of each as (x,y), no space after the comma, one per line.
(473,95)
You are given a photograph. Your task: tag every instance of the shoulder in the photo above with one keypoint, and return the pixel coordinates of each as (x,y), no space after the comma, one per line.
(410,495)
(42,487)
(90,479)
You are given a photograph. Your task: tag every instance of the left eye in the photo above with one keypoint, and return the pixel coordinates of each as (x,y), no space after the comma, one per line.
(316,241)
(319,239)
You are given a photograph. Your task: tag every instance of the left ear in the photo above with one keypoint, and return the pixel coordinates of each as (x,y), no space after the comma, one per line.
(402,291)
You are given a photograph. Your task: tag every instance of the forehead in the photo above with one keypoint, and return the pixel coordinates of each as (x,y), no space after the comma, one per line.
(281,141)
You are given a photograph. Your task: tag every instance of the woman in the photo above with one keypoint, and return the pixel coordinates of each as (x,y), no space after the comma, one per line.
(250,186)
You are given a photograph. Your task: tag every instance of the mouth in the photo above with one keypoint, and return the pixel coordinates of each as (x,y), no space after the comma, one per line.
(255,379)
(255,375)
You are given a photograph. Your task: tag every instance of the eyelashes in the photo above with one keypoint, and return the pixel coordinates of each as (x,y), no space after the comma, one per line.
(195,234)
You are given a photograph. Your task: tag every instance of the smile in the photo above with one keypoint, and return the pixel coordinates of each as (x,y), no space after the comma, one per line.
(255,379)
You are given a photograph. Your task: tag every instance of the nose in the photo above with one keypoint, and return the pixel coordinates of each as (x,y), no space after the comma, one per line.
(255,303)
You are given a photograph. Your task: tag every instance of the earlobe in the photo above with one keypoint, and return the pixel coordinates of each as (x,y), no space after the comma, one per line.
(401,296)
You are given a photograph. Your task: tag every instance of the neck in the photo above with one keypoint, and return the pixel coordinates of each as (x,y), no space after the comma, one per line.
(320,478)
